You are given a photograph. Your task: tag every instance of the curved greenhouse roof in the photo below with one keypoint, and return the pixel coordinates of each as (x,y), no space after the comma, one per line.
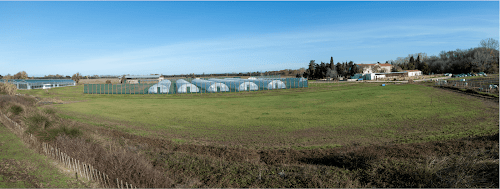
(264,83)
(185,87)
(210,86)
(159,88)
(238,84)
(165,82)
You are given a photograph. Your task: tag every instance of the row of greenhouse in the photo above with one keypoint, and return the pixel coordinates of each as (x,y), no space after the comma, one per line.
(212,85)
(39,83)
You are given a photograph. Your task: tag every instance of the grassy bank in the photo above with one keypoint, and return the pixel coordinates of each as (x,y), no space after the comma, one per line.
(20,167)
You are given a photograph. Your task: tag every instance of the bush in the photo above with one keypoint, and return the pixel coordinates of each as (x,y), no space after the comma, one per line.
(37,121)
(53,133)
(108,81)
(15,109)
(49,111)
(8,88)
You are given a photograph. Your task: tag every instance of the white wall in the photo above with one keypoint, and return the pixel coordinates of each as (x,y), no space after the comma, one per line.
(414,73)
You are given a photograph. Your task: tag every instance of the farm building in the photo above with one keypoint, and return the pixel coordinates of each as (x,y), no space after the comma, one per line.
(134,79)
(265,83)
(235,84)
(375,68)
(39,83)
(185,87)
(160,87)
(412,73)
(210,86)
(373,76)
(269,83)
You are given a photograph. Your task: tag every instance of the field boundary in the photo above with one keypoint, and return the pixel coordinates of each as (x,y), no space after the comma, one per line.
(469,92)
(83,169)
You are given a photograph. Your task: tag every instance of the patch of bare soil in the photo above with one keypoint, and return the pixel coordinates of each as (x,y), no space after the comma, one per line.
(469,93)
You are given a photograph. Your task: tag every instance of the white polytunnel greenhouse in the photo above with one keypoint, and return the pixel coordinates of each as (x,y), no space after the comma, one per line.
(263,83)
(39,83)
(161,87)
(184,86)
(210,86)
(238,84)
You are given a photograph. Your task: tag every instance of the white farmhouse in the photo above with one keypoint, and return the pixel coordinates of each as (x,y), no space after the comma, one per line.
(375,68)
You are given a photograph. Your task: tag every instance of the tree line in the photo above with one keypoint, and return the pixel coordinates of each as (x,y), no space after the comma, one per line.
(483,58)
(331,70)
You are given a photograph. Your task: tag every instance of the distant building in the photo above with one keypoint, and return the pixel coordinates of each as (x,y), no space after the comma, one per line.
(412,73)
(134,79)
(373,76)
(375,68)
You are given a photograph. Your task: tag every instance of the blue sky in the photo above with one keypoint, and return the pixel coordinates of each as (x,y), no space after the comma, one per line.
(100,38)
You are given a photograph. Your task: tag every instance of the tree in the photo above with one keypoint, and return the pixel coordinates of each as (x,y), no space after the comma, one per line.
(396,68)
(21,75)
(340,69)
(425,68)
(323,70)
(411,64)
(354,69)
(489,43)
(122,80)
(8,76)
(310,71)
(331,73)
(76,77)
(376,69)
(417,63)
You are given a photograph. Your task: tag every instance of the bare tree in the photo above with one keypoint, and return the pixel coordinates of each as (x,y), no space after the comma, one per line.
(76,77)
(489,43)
(21,75)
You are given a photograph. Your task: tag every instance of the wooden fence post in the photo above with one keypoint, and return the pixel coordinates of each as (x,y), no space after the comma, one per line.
(109,183)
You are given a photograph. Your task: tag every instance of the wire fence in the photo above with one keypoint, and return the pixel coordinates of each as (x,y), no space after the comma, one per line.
(482,84)
(82,170)
(190,85)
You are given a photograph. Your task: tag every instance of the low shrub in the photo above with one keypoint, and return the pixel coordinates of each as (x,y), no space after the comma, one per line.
(49,111)
(108,81)
(51,134)
(15,109)
(37,121)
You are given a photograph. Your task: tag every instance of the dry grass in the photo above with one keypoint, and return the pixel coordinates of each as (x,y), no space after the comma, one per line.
(7,88)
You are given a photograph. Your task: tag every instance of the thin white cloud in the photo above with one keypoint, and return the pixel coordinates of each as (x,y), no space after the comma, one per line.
(273,51)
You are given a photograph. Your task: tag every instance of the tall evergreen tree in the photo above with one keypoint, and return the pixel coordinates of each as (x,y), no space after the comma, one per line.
(411,64)
(418,65)
(339,69)
(310,71)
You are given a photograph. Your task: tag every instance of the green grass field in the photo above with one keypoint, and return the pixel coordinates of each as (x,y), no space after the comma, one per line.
(20,167)
(321,116)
